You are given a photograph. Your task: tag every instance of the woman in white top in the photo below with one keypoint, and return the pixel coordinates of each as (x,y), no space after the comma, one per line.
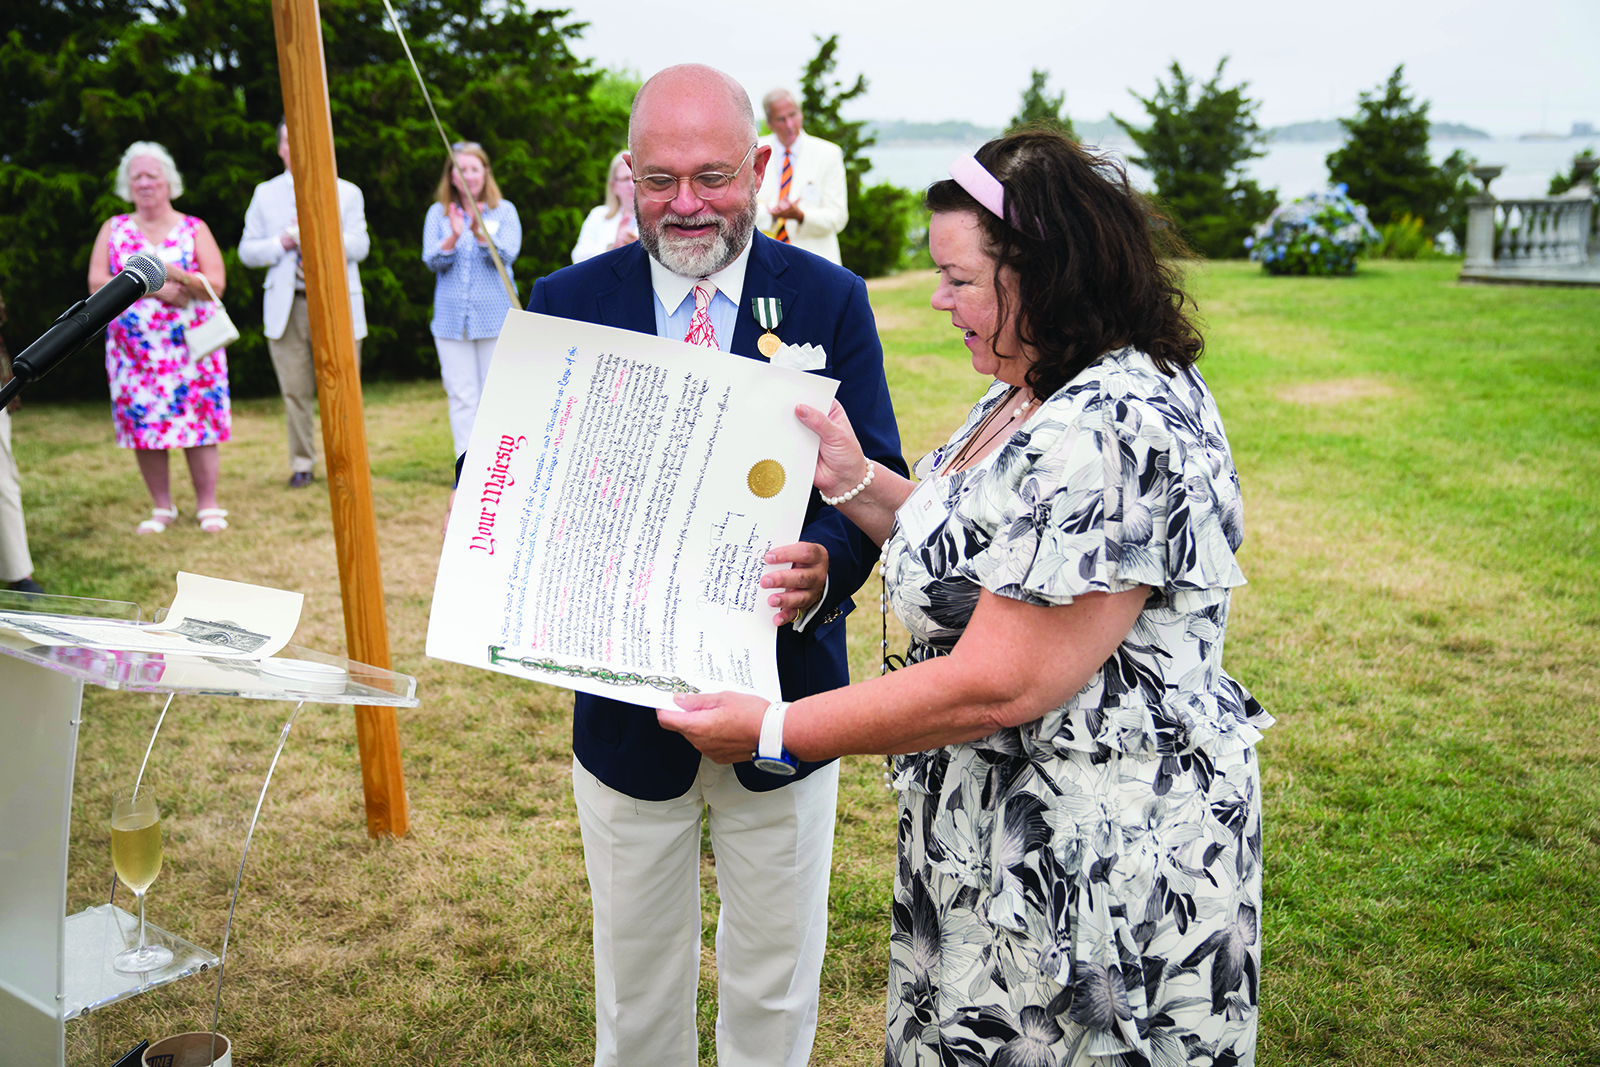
(611,225)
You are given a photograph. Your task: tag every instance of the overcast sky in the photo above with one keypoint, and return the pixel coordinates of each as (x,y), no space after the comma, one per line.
(1505,68)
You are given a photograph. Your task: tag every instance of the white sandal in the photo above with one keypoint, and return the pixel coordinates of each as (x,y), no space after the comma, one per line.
(212,520)
(159,520)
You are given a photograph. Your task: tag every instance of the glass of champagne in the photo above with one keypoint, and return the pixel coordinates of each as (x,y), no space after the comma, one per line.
(136,854)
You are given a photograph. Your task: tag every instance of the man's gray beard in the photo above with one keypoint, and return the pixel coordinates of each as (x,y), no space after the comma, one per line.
(699,257)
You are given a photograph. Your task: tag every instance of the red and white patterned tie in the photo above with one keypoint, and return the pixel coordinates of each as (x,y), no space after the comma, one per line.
(701,331)
(784,185)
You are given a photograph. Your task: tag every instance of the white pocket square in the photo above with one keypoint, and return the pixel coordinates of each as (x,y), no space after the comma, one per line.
(800,357)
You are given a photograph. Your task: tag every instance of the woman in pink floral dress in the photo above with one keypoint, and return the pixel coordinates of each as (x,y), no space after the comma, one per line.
(160,397)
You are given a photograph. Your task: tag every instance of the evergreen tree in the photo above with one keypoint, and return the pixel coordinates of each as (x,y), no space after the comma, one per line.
(1041,109)
(874,241)
(1195,149)
(82,79)
(1456,171)
(617,88)
(1384,161)
(1562,183)
(821,100)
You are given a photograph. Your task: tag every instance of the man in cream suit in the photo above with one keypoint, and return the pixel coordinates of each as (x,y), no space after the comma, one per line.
(802,198)
(272,240)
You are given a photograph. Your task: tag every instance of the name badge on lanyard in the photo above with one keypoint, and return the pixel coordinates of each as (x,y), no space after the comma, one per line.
(923,512)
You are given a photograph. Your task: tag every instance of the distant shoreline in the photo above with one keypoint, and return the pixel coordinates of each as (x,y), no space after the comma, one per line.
(1293,168)
(902,134)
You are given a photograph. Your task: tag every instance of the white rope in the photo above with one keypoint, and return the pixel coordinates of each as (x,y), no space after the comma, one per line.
(472,201)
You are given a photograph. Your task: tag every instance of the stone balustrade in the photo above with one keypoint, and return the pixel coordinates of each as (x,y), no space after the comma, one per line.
(1544,240)
(1547,232)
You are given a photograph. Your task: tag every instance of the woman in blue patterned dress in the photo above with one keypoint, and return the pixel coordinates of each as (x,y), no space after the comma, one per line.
(1079,876)
(469,299)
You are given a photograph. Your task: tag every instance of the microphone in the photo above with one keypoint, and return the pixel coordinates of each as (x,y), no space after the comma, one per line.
(81,323)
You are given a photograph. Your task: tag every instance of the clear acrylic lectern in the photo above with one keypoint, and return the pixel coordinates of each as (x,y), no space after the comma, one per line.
(54,967)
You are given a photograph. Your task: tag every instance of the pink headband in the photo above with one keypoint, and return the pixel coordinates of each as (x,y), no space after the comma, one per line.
(984,187)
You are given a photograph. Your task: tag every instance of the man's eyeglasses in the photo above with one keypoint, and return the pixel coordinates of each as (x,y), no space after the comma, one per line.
(709,185)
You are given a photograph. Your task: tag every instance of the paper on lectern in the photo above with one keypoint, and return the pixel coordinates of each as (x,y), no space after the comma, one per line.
(208,617)
(618,498)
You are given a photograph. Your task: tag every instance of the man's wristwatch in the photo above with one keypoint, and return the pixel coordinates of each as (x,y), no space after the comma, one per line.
(770,755)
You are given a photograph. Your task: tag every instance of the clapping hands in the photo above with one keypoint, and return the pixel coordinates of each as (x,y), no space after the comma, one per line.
(788,209)
(627,232)
(459,223)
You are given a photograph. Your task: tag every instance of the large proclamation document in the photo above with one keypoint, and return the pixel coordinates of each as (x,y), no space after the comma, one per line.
(619,496)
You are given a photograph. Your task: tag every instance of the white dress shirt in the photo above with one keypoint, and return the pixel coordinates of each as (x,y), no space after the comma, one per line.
(675,299)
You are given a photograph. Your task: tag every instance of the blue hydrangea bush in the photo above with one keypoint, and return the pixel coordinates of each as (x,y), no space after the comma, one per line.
(1318,234)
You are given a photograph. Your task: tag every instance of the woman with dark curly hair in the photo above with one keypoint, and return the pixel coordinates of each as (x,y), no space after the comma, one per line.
(1080,827)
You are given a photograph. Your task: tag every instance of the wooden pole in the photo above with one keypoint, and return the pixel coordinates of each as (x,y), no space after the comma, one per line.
(344,436)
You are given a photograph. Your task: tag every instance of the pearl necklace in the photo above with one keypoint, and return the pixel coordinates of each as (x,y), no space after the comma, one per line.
(976,440)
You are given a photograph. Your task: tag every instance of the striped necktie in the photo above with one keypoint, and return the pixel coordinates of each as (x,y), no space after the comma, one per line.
(782,233)
(701,331)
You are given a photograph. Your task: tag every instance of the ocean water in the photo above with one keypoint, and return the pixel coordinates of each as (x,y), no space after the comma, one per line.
(1294,168)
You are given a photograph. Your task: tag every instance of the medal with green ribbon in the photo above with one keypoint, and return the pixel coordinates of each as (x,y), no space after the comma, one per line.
(768,311)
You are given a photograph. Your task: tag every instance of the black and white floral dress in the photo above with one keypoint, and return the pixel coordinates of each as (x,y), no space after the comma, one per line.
(1086,888)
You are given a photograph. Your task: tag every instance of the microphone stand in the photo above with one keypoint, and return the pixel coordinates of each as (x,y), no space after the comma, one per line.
(23,371)
(144,271)
(9,390)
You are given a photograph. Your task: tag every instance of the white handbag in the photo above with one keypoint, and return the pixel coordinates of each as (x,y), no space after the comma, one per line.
(212,334)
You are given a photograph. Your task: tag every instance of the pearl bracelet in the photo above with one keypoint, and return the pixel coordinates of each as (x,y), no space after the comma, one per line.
(835,501)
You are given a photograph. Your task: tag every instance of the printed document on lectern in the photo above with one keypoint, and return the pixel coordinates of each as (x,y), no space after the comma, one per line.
(618,499)
(209,617)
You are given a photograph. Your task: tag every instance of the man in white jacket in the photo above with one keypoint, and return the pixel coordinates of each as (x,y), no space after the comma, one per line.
(802,198)
(272,240)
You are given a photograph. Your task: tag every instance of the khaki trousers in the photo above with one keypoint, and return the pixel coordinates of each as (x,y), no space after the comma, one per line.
(297,380)
(15,563)
(774,853)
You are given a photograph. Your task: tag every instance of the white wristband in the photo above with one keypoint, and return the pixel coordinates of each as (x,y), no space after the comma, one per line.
(835,501)
(770,754)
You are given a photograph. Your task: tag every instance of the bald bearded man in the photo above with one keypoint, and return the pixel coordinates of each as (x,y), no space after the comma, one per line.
(641,790)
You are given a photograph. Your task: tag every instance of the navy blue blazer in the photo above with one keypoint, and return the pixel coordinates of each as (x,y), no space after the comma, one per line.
(622,744)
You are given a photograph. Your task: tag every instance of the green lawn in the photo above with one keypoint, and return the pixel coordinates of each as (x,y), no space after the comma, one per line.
(1419,462)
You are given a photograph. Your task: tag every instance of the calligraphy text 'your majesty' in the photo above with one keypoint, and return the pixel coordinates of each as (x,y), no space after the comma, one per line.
(489,503)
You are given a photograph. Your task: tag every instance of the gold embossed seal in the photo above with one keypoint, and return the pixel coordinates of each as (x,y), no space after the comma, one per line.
(766,478)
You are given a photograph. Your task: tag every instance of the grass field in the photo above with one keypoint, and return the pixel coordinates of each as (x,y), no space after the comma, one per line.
(1419,462)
